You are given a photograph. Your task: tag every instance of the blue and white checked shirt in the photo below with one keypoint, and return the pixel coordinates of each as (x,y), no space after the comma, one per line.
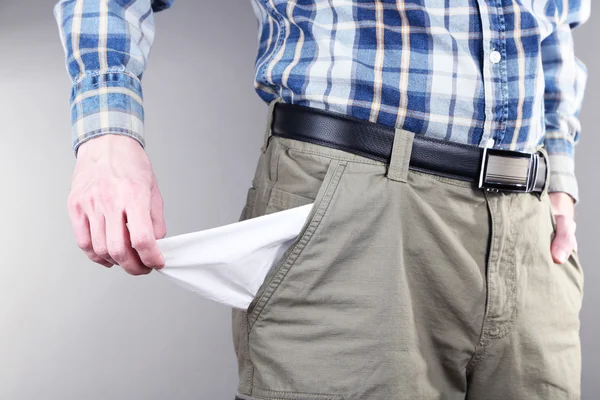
(499,73)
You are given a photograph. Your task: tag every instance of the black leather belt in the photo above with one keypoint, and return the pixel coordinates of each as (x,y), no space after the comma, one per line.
(490,169)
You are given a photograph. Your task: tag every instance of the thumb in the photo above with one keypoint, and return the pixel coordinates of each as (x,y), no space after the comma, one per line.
(564,241)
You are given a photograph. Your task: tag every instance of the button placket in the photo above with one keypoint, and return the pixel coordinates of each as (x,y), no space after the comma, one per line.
(495,57)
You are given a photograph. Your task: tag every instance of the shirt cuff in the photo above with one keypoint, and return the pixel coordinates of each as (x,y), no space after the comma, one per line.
(562,166)
(108,102)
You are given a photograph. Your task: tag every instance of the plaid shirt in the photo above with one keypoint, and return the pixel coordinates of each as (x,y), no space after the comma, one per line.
(499,73)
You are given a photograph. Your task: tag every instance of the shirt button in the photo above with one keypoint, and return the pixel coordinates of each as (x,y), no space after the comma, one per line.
(495,57)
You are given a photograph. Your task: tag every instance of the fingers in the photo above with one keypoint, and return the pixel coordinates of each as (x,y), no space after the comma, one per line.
(141,233)
(157,216)
(564,241)
(113,184)
(83,236)
(98,233)
(119,246)
(105,238)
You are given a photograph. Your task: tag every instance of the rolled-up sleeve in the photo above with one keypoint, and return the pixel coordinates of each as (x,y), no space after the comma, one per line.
(565,79)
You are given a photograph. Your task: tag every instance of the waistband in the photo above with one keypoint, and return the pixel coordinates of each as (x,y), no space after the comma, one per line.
(490,169)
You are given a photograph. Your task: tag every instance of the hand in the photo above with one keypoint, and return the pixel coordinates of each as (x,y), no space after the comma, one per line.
(113,185)
(564,241)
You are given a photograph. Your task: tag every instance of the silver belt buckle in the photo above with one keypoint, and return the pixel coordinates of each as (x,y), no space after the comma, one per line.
(508,171)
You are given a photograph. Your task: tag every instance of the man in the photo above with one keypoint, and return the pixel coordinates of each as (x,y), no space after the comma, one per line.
(435,138)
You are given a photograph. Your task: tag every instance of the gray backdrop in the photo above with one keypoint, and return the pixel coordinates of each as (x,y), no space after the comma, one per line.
(73,330)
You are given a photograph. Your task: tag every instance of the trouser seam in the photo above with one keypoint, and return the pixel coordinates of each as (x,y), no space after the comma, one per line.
(483,339)
(250,375)
(486,339)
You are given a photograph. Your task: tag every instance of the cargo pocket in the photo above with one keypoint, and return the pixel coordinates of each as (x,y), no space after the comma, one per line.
(280,200)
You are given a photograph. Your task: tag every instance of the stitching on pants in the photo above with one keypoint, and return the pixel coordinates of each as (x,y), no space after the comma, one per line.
(279,395)
(274,166)
(408,144)
(250,375)
(300,245)
(280,198)
(510,260)
(400,160)
(339,158)
(350,158)
(450,181)
(398,144)
(487,340)
(484,339)
(308,233)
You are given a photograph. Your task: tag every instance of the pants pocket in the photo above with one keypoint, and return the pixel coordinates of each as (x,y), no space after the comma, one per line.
(280,200)
(260,394)
(573,260)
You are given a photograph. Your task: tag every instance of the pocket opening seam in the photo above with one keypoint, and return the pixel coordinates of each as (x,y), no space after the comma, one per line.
(333,157)
(285,200)
(301,242)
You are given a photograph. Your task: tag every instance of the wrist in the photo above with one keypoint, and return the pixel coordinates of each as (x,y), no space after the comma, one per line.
(562,204)
(104,143)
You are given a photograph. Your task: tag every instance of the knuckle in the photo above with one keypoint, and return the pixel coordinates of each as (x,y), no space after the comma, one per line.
(84,244)
(101,251)
(107,198)
(89,198)
(135,189)
(118,253)
(563,237)
(140,186)
(562,229)
(73,203)
(141,242)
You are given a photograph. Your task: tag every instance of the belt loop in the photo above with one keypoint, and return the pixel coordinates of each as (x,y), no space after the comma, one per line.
(403,143)
(544,154)
(270,123)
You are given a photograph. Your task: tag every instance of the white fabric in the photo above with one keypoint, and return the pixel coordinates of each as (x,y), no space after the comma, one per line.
(228,264)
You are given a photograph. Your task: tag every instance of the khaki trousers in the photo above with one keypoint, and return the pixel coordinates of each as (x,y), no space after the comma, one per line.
(405,286)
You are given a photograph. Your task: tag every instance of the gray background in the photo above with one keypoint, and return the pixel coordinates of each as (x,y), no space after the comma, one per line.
(73,330)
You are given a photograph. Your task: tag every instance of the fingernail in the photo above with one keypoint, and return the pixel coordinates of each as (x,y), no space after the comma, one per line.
(561,255)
